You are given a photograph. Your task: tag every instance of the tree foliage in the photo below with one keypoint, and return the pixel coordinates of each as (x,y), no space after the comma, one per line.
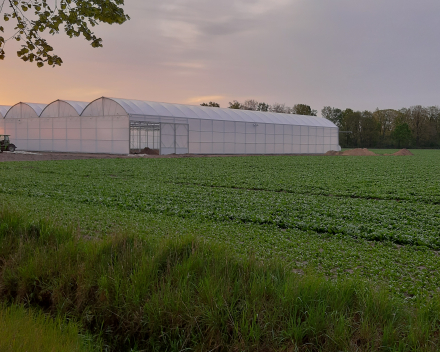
(254,105)
(416,126)
(279,108)
(402,134)
(263,107)
(31,19)
(333,114)
(211,104)
(303,109)
(235,105)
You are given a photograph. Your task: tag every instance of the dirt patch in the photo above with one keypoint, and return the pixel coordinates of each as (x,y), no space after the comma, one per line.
(352,152)
(359,152)
(27,156)
(333,153)
(146,151)
(366,152)
(402,152)
(152,153)
(38,156)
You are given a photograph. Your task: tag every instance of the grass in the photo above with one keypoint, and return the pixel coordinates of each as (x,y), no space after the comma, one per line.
(22,330)
(145,294)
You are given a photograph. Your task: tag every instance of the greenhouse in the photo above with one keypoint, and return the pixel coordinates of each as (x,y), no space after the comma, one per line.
(121,126)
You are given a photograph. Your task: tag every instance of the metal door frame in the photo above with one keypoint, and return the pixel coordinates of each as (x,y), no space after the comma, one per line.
(139,125)
(175,135)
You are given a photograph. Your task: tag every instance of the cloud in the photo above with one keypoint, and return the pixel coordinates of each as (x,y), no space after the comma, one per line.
(260,7)
(194,65)
(191,20)
(205,99)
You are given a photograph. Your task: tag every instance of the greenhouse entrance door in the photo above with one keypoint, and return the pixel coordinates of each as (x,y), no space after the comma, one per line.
(174,138)
(158,138)
(144,137)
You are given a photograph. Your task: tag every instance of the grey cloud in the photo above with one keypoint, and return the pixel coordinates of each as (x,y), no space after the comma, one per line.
(226,17)
(228,27)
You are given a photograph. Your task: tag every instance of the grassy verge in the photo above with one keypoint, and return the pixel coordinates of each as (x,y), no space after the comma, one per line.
(184,294)
(22,330)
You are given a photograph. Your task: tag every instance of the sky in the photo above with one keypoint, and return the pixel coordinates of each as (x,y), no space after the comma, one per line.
(359,54)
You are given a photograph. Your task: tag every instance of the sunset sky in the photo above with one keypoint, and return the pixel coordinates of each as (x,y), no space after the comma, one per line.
(343,53)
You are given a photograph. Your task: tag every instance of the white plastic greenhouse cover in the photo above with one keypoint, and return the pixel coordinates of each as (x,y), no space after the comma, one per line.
(4,110)
(64,108)
(147,108)
(25,110)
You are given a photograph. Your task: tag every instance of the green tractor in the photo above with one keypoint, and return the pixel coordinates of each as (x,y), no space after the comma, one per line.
(5,144)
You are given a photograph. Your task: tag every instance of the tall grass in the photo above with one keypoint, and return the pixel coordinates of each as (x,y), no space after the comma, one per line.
(22,330)
(186,295)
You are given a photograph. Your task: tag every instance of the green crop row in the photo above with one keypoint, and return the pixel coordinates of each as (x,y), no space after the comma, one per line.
(141,187)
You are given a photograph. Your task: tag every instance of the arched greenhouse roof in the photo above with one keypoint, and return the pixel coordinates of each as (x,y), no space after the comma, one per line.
(79,106)
(38,108)
(64,108)
(147,108)
(4,110)
(25,110)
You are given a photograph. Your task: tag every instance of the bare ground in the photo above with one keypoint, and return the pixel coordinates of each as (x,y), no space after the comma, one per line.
(366,152)
(38,156)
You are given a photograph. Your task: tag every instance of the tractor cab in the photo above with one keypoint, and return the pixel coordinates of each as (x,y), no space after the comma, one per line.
(5,144)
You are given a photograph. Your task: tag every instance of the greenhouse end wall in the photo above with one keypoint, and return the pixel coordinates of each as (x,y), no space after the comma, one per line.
(102,134)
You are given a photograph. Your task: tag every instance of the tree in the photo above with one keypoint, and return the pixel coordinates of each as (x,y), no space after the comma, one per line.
(402,134)
(211,104)
(279,108)
(263,107)
(333,114)
(303,109)
(417,117)
(31,18)
(385,119)
(250,104)
(368,129)
(235,105)
(433,126)
(351,123)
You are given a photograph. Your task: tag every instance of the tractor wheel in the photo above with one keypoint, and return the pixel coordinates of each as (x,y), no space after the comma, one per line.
(11,148)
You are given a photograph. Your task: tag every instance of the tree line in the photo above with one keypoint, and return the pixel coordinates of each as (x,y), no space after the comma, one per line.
(298,109)
(414,127)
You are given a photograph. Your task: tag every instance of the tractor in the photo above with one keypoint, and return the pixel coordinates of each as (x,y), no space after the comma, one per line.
(5,144)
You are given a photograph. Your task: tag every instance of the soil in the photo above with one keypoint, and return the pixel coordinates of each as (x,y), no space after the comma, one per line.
(30,156)
(333,153)
(37,156)
(403,152)
(352,152)
(359,152)
(151,153)
(146,151)
(366,152)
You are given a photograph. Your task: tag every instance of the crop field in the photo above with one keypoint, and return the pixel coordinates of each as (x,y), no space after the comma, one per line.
(374,218)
